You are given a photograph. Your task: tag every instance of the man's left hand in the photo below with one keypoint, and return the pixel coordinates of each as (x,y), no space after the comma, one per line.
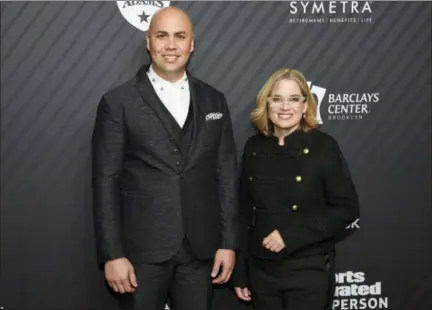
(224,259)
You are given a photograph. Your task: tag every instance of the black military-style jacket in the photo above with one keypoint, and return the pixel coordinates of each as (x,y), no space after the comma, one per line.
(303,189)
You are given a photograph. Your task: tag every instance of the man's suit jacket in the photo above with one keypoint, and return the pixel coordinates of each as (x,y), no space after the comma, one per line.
(147,194)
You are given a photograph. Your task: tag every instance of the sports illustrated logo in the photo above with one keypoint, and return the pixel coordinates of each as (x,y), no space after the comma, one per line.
(330,12)
(351,292)
(139,13)
(344,106)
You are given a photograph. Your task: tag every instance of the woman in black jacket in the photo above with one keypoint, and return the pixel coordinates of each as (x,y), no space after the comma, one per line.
(297,198)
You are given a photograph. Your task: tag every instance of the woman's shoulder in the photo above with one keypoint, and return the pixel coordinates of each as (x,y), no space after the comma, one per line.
(323,139)
(255,140)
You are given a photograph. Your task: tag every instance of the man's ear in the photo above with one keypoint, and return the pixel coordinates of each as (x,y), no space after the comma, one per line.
(192,45)
(147,42)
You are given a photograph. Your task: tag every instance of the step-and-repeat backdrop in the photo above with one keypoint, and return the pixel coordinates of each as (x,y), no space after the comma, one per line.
(368,64)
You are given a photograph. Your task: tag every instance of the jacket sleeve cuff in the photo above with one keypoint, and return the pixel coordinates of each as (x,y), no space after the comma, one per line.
(239,275)
(229,244)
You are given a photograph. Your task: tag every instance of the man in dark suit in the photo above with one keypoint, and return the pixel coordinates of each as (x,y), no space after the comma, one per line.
(164,177)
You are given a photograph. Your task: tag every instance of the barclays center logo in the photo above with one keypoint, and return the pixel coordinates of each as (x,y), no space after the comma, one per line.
(139,13)
(331,12)
(343,106)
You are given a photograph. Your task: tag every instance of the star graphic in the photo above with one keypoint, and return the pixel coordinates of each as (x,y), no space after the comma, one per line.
(143,17)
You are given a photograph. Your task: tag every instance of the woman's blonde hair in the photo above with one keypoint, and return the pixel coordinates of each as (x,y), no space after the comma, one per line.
(260,115)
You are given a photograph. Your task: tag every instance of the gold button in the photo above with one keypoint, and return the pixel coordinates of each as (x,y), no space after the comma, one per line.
(298,178)
(306,151)
(294,207)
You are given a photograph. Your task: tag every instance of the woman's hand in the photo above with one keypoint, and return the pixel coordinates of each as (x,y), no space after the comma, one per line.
(274,242)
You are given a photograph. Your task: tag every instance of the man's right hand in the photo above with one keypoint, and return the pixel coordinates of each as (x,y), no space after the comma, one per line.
(120,275)
(243,293)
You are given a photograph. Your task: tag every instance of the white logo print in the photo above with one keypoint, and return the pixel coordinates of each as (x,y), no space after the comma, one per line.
(354,225)
(352,291)
(343,106)
(323,12)
(139,13)
(320,94)
(214,116)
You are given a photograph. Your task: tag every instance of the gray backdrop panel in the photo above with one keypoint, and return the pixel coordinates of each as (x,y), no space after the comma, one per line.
(57,58)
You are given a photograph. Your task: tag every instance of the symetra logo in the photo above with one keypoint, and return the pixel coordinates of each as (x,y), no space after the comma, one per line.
(330,12)
(139,13)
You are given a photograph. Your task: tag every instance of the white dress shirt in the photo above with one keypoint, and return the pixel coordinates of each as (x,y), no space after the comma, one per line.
(175,96)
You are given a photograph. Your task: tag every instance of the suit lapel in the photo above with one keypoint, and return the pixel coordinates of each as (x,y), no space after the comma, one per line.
(149,96)
(195,95)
